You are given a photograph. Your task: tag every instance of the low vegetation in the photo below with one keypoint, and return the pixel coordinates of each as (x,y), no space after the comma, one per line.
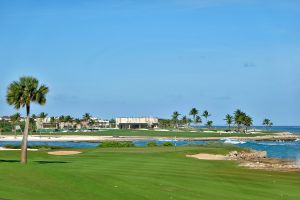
(42,147)
(116,144)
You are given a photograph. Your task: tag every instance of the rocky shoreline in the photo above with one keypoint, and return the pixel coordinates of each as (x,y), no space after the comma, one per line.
(259,160)
(253,159)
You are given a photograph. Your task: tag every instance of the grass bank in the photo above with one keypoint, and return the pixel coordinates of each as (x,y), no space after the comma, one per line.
(139,173)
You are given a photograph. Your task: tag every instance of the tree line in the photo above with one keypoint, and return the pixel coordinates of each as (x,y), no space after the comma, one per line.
(239,121)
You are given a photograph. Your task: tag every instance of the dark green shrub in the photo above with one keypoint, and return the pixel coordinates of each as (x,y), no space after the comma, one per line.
(167,144)
(10,146)
(116,144)
(151,144)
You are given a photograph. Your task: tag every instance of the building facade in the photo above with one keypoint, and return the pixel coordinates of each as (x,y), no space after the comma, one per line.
(136,122)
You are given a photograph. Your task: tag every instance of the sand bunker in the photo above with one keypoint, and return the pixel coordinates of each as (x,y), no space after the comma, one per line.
(204,156)
(64,153)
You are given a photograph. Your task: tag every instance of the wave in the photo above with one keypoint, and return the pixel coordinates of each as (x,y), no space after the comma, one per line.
(230,141)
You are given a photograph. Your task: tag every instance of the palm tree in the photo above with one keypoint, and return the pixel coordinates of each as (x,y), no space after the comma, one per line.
(15,119)
(184,120)
(43,115)
(194,112)
(175,116)
(238,118)
(21,94)
(209,124)
(198,120)
(86,117)
(206,115)
(229,120)
(266,123)
(247,121)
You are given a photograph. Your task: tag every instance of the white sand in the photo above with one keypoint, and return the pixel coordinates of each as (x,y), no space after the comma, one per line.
(204,156)
(63,153)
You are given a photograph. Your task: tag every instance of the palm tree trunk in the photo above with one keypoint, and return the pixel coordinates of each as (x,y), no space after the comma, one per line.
(25,137)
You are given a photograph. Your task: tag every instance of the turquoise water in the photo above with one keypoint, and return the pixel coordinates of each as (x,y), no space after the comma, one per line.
(291,129)
(275,149)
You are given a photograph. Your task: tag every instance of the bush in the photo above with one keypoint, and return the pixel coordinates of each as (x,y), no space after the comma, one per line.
(10,146)
(151,144)
(167,144)
(116,144)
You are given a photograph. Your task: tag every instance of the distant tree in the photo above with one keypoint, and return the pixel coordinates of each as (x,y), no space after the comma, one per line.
(68,118)
(229,120)
(86,117)
(206,115)
(194,112)
(247,122)
(184,120)
(165,123)
(15,119)
(198,120)
(52,120)
(21,94)
(209,124)
(175,116)
(33,116)
(43,115)
(267,123)
(77,121)
(238,118)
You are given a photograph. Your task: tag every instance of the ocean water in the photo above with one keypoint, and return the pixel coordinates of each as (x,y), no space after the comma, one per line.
(291,129)
(274,149)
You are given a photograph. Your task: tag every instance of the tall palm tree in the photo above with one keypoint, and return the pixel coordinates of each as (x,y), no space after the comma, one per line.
(194,112)
(175,116)
(229,120)
(206,115)
(21,94)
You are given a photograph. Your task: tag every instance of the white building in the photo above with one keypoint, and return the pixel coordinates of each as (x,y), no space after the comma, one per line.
(99,123)
(136,122)
(45,123)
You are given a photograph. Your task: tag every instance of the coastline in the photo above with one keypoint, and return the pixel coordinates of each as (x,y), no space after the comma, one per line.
(87,138)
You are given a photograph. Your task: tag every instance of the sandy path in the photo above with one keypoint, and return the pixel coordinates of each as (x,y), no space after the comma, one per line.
(63,153)
(205,156)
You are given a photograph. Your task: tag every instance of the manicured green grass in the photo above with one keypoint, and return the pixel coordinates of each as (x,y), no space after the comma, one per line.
(139,173)
(117,132)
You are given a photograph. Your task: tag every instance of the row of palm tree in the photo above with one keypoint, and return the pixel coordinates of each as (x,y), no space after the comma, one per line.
(196,118)
(241,119)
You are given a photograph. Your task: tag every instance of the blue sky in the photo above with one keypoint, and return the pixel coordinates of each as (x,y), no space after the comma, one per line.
(150,58)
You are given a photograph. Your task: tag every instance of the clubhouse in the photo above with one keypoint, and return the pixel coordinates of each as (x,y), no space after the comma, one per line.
(136,122)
